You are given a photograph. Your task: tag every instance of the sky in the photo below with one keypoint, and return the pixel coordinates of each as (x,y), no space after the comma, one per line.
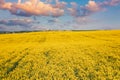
(25,15)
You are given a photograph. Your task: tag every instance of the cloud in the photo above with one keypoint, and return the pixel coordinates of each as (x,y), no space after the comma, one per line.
(32,7)
(4,5)
(39,8)
(74,10)
(82,20)
(80,11)
(110,3)
(16,22)
(53,21)
(48,1)
(53,8)
(3,28)
(39,28)
(91,7)
(60,5)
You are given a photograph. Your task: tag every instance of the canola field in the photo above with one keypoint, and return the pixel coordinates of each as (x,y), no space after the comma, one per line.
(60,55)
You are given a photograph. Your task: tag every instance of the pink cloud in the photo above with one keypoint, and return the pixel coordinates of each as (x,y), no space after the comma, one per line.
(86,10)
(32,7)
(4,5)
(60,5)
(74,10)
(39,8)
(92,6)
(110,3)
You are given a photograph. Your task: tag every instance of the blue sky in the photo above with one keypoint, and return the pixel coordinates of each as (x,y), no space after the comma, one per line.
(59,15)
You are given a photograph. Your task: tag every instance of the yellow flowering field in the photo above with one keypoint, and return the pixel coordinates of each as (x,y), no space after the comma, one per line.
(60,55)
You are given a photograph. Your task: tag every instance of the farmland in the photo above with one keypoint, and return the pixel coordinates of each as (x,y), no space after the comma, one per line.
(60,55)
